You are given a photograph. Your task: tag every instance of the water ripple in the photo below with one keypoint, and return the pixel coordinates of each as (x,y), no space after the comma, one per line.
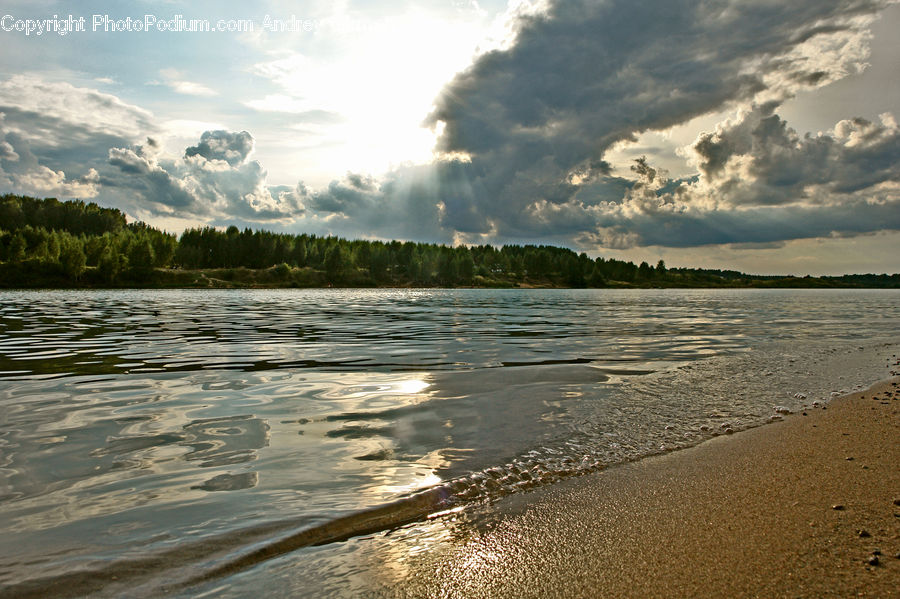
(139,424)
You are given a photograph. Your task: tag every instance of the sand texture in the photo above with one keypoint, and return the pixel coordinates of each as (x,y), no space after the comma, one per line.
(798,508)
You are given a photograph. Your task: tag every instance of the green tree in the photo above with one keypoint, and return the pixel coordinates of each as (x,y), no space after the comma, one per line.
(574,272)
(140,257)
(596,278)
(17,247)
(298,255)
(378,263)
(53,247)
(336,262)
(110,263)
(163,249)
(447,268)
(661,269)
(72,258)
(645,272)
(465,266)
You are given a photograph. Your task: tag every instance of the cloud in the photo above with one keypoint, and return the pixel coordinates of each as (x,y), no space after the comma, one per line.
(43,112)
(760,184)
(527,135)
(759,160)
(60,140)
(233,148)
(7,152)
(54,136)
(524,131)
(584,75)
(155,184)
(213,179)
(20,171)
(175,80)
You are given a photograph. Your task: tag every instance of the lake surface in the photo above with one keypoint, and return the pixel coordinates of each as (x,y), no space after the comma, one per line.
(149,436)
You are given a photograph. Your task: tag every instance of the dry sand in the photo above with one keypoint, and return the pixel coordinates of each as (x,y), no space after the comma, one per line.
(793,509)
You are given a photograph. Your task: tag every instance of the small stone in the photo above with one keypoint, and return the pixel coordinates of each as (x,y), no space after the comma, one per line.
(876,552)
(837,507)
(874,561)
(897,502)
(849,459)
(864,534)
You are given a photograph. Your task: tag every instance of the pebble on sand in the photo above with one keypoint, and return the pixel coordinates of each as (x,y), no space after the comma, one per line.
(837,507)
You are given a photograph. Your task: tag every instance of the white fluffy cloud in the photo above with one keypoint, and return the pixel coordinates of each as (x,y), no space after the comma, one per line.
(758,160)
(42,111)
(53,135)
(213,179)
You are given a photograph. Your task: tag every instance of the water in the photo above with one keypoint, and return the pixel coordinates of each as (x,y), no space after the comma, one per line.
(148,436)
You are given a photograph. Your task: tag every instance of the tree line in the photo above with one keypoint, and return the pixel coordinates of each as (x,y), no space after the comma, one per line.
(47,242)
(52,240)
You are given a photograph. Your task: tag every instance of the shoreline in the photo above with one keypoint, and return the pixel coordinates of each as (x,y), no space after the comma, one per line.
(203,281)
(796,508)
(745,515)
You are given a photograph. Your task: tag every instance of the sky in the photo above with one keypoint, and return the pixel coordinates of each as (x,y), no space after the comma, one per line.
(756,135)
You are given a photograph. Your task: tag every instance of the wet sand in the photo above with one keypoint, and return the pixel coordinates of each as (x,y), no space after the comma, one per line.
(798,508)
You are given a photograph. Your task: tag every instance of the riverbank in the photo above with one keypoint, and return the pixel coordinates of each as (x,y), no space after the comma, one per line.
(807,507)
(39,275)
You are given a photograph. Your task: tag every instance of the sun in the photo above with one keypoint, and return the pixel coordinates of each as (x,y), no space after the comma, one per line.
(380,85)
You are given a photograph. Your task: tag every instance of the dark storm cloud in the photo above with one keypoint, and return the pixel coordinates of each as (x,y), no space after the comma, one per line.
(348,196)
(535,120)
(525,132)
(756,226)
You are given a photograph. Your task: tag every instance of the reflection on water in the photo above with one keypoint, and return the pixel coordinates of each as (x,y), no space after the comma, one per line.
(136,423)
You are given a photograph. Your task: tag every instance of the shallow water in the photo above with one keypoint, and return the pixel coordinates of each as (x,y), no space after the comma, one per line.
(198,427)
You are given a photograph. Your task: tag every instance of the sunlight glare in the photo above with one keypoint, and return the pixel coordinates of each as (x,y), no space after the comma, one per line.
(382,84)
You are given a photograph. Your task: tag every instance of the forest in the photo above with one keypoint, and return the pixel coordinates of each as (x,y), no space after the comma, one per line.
(45,243)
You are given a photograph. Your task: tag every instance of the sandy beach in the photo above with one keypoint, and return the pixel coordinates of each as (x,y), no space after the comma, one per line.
(805,507)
